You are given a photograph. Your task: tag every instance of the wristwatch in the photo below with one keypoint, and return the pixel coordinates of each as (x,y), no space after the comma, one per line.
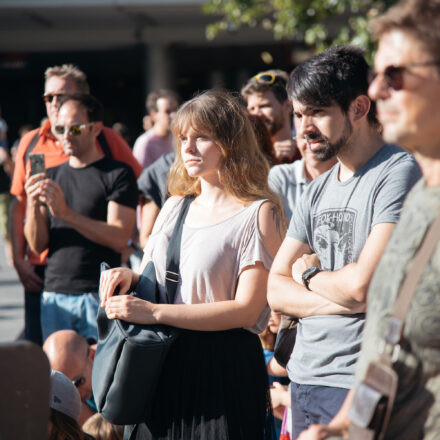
(308,274)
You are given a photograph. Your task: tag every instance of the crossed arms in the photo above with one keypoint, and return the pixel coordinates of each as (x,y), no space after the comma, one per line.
(343,291)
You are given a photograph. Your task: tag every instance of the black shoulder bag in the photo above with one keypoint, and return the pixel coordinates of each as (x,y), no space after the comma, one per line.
(129,358)
(285,340)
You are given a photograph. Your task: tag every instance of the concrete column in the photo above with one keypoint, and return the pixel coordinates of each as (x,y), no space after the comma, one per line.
(243,75)
(217,79)
(160,68)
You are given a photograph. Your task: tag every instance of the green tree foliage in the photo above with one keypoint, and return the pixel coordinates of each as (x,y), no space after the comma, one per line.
(319,23)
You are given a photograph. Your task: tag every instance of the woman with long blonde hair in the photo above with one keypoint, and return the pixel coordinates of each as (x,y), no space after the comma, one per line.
(214,384)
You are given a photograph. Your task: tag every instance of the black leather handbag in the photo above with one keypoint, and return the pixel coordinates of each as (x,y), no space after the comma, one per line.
(285,340)
(129,357)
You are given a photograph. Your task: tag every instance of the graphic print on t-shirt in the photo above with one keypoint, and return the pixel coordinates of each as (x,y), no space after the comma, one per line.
(333,237)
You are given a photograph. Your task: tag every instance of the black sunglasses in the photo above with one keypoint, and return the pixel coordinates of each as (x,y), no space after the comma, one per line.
(49,97)
(393,75)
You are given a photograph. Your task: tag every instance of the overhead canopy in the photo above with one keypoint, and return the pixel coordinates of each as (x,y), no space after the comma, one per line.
(51,25)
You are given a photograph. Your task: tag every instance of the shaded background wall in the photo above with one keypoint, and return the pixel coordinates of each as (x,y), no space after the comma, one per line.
(127,48)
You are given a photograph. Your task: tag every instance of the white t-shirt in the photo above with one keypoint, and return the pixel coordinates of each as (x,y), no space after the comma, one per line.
(212,257)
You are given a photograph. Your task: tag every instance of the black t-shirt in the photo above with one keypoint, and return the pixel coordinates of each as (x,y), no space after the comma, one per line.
(74,260)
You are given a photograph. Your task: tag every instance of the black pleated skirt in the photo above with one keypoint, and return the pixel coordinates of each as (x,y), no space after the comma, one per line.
(214,386)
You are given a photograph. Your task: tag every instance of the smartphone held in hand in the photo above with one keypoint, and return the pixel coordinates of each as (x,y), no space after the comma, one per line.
(37,163)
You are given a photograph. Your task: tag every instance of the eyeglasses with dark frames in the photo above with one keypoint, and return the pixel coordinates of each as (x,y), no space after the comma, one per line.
(393,75)
(49,97)
(73,130)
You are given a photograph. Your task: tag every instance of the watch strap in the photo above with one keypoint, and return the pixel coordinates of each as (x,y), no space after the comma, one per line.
(308,274)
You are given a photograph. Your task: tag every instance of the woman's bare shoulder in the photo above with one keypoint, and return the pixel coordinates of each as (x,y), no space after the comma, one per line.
(166,210)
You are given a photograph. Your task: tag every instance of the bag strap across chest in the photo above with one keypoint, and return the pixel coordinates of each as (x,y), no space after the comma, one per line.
(173,252)
(408,290)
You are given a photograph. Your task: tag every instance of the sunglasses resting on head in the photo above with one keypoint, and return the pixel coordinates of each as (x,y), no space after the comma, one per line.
(268,78)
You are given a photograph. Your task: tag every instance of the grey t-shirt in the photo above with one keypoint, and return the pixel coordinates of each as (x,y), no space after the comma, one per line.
(152,183)
(335,218)
(288,180)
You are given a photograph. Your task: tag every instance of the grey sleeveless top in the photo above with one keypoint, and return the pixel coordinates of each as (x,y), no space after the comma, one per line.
(212,257)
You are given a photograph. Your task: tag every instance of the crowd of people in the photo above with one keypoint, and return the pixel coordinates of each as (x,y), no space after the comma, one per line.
(310,195)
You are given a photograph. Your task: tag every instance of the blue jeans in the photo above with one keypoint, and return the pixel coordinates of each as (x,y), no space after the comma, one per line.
(61,311)
(313,404)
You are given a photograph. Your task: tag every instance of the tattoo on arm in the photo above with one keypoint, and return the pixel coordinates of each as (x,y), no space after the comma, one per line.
(276,215)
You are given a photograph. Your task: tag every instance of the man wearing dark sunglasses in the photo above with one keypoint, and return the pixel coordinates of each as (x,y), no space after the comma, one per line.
(59,81)
(266,97)
(83,211)
(338,230)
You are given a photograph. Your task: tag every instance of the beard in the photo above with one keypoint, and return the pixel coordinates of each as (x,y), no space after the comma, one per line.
(330,149)
(273,125)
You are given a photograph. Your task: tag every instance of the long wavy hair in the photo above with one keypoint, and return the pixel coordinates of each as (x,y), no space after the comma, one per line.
(243,170)
(64,427)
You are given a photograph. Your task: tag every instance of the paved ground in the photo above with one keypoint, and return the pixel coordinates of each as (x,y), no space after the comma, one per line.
(11,301)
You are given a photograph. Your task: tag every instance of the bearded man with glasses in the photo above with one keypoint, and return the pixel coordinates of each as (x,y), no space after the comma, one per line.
(338,230)
(83,211)
(406,88)
(59,81)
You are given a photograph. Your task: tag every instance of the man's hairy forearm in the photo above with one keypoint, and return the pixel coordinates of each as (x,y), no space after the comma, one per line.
(348,286)
(290,298)
(17,213)
(36,229)
(345,287)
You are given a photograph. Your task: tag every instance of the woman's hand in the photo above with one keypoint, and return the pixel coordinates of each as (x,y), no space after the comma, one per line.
(121,277)
(130,309)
